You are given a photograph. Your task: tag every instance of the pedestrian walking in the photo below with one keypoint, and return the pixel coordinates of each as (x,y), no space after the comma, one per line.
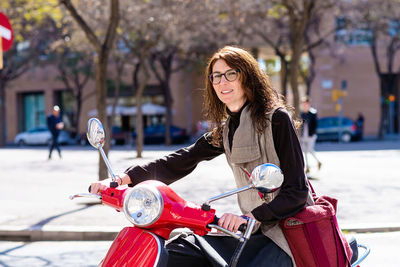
(55,125)
(309,132)
(360,125)
(251,126)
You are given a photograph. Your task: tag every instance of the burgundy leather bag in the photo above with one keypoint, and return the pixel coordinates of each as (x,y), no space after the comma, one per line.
(314,236)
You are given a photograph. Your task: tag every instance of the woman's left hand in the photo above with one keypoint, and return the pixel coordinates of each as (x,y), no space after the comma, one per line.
(231,221)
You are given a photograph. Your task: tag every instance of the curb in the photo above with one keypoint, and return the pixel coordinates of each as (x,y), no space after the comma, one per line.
(79,233)
(58,233)
(362,228)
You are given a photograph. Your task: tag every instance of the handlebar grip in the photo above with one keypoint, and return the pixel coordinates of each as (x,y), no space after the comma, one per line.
(215,221)
(112,185)
(242,227)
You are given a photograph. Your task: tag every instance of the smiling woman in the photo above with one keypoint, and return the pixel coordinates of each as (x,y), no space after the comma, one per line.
(251,126)
(228,90)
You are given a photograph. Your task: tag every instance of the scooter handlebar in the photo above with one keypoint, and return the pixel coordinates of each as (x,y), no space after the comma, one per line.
(242,227)
(112,185)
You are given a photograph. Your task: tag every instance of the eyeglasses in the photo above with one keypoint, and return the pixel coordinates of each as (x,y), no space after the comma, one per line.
(230,75)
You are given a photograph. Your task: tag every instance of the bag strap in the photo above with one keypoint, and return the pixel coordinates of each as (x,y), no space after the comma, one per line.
(314,195)
(317,247)
(340,246)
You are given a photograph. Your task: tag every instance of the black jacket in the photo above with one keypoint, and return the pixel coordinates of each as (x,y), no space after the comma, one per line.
(51,124)
(311,119)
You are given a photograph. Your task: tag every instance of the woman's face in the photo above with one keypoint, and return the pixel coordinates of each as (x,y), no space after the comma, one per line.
(230,93)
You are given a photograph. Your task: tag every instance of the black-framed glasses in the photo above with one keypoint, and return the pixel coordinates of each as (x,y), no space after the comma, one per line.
(230,75)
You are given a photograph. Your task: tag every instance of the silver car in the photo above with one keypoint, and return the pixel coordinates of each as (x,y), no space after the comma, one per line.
(337,129)
(40,136)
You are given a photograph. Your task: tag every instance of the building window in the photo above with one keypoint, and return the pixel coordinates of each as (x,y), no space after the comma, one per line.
(360,35)
(34,114)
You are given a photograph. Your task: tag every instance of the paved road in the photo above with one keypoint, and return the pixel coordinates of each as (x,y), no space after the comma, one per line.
(34,193)
(384,247)
(36,190)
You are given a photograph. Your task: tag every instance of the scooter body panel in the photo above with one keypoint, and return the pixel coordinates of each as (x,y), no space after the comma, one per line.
(136,247)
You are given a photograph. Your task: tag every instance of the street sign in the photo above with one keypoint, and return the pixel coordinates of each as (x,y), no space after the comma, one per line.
(6,36)
(338,94)
(6,32)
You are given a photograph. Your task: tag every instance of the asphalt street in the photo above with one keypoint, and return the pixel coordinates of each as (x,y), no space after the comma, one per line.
(90,253)
(34,194)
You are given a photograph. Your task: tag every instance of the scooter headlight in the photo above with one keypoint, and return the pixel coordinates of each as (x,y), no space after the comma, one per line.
(143,205)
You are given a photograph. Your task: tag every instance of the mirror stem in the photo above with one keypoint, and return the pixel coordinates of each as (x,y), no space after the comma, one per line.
(107,162)
(229,194)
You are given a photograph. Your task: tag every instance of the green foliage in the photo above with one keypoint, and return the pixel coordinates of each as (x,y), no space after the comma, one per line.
(276,11)
(26,16)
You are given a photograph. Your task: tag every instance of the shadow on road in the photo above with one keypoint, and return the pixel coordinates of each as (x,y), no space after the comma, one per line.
(40,224)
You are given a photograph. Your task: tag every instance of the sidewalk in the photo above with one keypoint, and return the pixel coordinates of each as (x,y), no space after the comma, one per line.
(35,204)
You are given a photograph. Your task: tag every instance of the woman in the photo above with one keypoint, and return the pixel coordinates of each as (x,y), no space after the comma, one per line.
(251,126)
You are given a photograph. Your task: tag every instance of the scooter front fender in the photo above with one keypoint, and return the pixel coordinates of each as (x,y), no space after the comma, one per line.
(136,247)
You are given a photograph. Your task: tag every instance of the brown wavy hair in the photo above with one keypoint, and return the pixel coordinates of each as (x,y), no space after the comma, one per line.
(260,95)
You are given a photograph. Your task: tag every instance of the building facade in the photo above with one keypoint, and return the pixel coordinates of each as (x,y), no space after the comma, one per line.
(349,68)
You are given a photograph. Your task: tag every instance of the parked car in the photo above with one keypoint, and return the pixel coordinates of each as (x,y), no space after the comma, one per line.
(329,130)
(41,136)
(155,134)
(119,137)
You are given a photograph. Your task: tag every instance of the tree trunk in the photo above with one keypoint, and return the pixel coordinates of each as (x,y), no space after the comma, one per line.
(284,75)
(139,122)
(139,115)
(101,97)
(168,115)
(78,101)
(166,64)
(311,73)
(140,83)
(388,86)
(116,93)
(294,73)
(103,51)
(373,49)
(298,21)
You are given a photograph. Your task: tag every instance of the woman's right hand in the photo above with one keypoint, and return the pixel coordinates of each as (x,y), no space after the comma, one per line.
(98,186)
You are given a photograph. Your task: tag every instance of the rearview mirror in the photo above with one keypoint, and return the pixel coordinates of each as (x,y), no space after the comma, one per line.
(267,177)
(95,133)
(96,136)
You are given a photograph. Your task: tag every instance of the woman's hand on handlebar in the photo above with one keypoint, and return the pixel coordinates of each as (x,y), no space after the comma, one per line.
(98,186)
(231,221)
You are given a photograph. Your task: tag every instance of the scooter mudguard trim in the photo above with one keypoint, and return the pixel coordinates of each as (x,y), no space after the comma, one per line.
(136,247)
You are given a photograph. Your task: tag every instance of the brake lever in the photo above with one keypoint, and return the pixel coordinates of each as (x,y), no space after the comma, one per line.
(85,195)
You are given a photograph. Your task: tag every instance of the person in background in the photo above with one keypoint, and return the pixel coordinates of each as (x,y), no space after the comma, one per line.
(360,125)
(251,126)
(55,125)
(309,132)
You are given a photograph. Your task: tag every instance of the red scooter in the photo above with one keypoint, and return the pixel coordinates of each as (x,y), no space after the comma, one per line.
(156,210)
